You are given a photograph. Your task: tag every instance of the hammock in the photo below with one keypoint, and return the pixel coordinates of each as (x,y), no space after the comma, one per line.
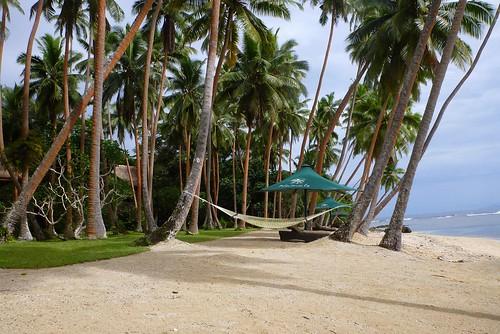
(265,222)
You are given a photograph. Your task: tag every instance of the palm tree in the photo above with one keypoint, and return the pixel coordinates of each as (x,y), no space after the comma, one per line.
(259,86)
(392,237)
(170,228)
(19,206)
(5,7)
(123,86)
(346,231)
(95,224)
(145,129)
(336,9)
(185,106)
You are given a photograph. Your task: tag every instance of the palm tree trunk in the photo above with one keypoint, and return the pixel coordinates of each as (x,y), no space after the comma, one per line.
(146,198)
(24,230)
(169,230)
(349,157)
(241,223)
(345,142)
(355,170)
(138,171)
(280,175)
(235,202)
(154,127)
(68,226)
(267,159)
(87,82)
(19,207)
(195,206)
(320,157)
(316,96)
(392,237)
(180,168)
(313,111)
(371,149)
(346,232)
(95,224)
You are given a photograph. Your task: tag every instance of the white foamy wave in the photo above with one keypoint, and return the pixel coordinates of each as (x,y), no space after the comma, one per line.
(444,217)
(407,219)
(483,214)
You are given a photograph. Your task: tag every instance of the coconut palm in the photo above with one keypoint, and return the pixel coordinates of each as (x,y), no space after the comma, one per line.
(392,237)
(95,224)
(170,228)
(259,86)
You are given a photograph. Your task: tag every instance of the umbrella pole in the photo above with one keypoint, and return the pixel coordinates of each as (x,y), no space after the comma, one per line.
(305,210)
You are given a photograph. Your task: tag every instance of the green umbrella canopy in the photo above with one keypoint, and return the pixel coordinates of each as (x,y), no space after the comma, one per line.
(307,179)
(330,203)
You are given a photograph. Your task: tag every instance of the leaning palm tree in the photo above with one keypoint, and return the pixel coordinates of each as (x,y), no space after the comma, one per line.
(176,220)
(392,237)
(346,232)
(95,224)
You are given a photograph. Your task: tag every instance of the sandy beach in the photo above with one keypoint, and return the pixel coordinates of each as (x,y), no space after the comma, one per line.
(256,284)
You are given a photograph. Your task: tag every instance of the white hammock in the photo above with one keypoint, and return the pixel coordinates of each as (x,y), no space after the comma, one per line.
(265,222)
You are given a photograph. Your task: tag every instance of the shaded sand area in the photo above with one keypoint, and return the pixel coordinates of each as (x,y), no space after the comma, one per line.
(256,284)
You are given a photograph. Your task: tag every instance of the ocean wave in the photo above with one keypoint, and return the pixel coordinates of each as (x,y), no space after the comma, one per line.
(407,219)
(483,214)
(444,217)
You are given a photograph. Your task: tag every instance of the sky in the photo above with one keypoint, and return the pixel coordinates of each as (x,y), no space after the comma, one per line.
(461,169)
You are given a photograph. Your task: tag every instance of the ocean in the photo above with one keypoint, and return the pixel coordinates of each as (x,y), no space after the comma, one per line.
(483,225)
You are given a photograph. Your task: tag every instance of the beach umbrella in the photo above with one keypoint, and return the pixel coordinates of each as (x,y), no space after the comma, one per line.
(308,180)
(330,203)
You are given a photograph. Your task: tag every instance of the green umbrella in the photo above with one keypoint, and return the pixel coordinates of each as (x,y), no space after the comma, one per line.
(307,179)
(330,203)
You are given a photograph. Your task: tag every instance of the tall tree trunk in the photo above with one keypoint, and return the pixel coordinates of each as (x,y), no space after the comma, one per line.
(267,159)
(346,232)
(24,230)
(146,198)
(244,194)
(19,207)
(95,224)
(349,157)
(371,149)
(392,236)
(345,142)
(169,230)
(316,95)
(313,111)
(154,127)
(138,171)
(235,202)
(195,206)
(180,169)
(320,156)
(87,83)
(68,226)
(355,170)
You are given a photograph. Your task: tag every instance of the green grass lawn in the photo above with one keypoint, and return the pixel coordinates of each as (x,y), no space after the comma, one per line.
(43,254)
(209,235)
(55,253)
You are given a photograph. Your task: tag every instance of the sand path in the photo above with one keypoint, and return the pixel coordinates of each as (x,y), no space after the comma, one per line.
(256,284)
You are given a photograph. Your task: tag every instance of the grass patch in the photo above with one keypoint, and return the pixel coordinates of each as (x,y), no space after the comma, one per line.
(44,254)
(209,235)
